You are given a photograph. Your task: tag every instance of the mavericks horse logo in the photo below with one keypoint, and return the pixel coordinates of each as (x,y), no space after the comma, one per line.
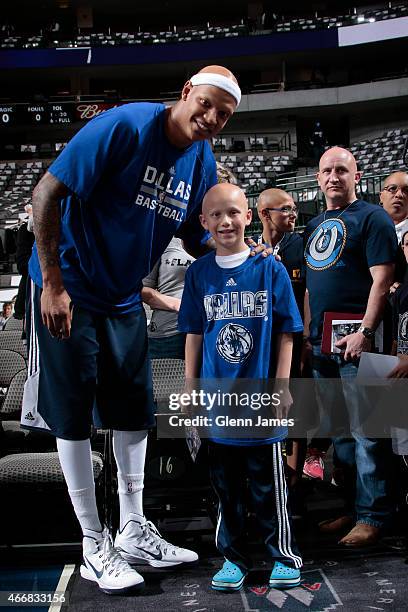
(326,244)
(234,343)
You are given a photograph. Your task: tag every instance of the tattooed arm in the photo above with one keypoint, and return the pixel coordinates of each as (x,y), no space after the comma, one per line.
(55,301)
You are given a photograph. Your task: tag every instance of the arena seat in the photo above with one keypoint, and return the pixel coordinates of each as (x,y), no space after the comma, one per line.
(17,181)
(11,407)
(11,362)
(14,439)
(11,339)
(261,169)
(174,485)
(38,468)
(383,152)
(25,474)
(39,478)
(168,377)
(14,324)
(283,24)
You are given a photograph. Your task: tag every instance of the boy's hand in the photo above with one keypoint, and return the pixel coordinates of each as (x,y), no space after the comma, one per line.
(186,407)
(260,248)
(281,389)
(286,402)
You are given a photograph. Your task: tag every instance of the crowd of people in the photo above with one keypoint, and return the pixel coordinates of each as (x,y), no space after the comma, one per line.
(128,211)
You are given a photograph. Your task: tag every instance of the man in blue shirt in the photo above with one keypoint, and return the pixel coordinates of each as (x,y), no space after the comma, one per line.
(103,214)
(278,213)
(350,253)
(231,306)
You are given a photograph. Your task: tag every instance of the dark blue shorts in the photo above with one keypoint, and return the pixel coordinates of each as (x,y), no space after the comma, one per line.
(101,372)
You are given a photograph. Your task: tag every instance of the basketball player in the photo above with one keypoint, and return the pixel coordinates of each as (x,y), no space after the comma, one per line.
(103,214)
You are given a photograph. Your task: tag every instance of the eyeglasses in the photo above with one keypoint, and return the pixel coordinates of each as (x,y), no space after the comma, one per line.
(286,210)
(394,188)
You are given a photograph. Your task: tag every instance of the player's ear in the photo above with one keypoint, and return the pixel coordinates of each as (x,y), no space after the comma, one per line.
(186,90)
(203,222)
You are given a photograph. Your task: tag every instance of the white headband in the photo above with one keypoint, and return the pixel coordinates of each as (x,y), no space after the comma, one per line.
(218,80)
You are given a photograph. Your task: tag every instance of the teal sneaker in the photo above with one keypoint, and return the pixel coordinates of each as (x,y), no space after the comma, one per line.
(229,578)
(284,576)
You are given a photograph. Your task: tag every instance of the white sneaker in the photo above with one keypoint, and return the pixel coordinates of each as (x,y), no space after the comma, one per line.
(139,542)
(103,564)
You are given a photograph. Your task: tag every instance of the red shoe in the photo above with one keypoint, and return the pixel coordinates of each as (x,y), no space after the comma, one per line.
(314,465)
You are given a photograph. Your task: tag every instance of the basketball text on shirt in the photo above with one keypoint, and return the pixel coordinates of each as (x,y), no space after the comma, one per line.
(159,189)
(237,304)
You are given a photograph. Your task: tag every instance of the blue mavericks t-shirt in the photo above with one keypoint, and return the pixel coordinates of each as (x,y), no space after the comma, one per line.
(131,192)
(237,310)
(340,249)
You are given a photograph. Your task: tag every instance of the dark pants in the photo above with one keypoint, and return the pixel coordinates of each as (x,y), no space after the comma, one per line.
(230,466)
(371,457)
(101,370)
(168,347)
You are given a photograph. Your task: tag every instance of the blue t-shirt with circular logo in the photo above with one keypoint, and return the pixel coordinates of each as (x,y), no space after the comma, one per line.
(340,249)
(237,310)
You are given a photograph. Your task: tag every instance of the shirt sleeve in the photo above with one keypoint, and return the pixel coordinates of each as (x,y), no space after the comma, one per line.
(191,231)
(104,142)
(151,279)
(381,240)
(285,313)
(190,317)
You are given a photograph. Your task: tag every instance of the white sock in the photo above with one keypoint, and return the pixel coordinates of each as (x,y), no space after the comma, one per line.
(76,463)
(129,448)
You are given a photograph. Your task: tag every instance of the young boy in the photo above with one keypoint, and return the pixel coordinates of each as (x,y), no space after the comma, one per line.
(231,305)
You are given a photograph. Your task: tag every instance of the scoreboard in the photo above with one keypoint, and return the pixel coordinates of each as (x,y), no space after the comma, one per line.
(33,114)
(51,113)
